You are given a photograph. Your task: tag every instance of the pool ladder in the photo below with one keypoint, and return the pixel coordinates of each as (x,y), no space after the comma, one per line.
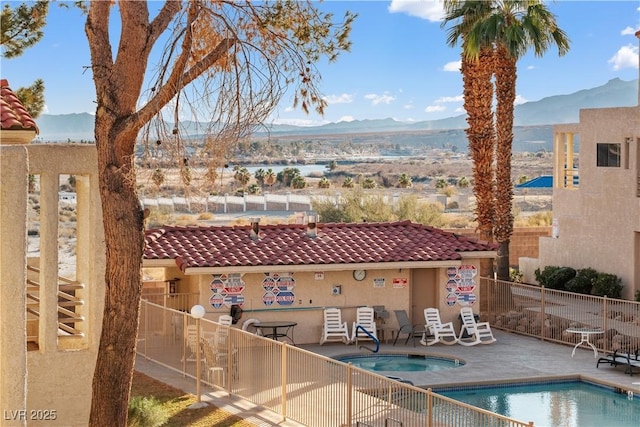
(361,328)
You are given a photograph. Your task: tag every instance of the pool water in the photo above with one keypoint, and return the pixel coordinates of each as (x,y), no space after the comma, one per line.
(400,362)
(556,404)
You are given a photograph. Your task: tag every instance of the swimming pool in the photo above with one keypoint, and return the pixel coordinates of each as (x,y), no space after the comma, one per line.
(401,362)
(557,403)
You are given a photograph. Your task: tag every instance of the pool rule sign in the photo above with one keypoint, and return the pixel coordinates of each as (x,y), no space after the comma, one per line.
(461,284)
(278,288)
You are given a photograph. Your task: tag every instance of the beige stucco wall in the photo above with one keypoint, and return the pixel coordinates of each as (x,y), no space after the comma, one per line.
(393,288)
(599,222)
(60,372)
(13,347)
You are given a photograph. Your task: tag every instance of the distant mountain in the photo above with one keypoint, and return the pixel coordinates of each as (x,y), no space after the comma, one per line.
(545,112)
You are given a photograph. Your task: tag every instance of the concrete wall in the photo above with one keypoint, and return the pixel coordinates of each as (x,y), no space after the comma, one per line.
(59,372)
(524,241)
(598,222)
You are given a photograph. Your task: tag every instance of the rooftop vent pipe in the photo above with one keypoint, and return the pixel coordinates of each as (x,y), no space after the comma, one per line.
(255,228)
(312,230)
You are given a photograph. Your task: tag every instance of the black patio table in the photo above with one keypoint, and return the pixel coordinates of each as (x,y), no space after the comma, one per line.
(277,329)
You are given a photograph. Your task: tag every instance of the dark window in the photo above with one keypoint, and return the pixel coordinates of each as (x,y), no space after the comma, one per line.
(608,155)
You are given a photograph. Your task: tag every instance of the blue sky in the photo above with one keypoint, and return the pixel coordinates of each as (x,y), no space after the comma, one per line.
(399,67)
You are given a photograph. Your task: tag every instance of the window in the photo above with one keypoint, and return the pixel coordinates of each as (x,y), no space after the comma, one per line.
(608,155)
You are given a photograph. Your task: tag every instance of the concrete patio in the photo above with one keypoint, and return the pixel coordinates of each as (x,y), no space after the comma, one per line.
(511,358)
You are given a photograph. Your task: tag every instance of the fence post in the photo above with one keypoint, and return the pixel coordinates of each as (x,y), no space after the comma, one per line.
(283,368)
(349,394)
(543,313)
(605,317)
(429,407)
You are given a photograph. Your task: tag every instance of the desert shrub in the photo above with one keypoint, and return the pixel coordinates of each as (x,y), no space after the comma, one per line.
(205,216)
(542,276)
(146,412)
(607,284)
(515,275)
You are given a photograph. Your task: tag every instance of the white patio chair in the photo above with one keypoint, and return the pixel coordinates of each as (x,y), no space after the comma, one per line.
(478,332)
(365,317)
(334,328)
(441,332)
(247,325)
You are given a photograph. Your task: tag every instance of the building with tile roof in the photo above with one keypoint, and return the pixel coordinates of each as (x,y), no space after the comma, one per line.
(293,271)
(16,124)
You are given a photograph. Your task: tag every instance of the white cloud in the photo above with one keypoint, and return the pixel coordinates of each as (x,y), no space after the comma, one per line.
(453,66)
(380,99)
(444,99)
(520,100)
(625,57)
(343,98)
(435,109)
(431,10)
(531,67)
(629,31)
(408,106)
(460,110)
(346,119)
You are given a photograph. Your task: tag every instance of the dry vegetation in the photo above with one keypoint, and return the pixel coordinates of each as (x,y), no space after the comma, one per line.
(176,403)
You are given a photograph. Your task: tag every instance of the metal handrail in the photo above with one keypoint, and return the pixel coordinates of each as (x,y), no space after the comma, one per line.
(375,339)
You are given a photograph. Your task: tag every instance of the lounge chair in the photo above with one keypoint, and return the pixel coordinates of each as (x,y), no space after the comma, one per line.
(405,327)
(365,317)
(333,327)
(441,332)
(630,359)
(472,332)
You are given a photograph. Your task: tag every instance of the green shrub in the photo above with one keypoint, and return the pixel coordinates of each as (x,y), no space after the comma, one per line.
(607,284)
(146,412)
(579,284)
(542,277)
(559,279)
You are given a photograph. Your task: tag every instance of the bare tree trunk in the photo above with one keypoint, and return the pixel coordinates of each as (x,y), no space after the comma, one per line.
(124,239)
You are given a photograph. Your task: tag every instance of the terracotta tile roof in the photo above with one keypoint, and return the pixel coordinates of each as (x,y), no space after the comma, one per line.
(13,115)
(289,244)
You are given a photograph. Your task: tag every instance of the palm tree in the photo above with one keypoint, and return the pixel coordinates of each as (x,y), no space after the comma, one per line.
(476,71)
(269,177)
(324,182)
(243,176)
(499,33)
(518,27)
(259,176)
(369,183)
(348,182)
(404,181)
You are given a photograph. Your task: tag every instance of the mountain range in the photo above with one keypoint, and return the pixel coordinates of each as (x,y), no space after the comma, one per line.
(541,115)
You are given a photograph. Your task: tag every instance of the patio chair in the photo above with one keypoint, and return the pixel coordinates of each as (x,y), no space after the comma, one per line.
(247,325)
(405,327)
(334,328)
(225,319)
(365,317)
(215,362)
(191,339)
(478,332)
(441,332)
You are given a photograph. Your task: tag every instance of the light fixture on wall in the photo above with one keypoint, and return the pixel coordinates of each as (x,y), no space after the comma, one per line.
(336,290)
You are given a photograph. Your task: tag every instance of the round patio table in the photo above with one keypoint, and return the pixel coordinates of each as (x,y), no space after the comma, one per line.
(585,333)
(277,329)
